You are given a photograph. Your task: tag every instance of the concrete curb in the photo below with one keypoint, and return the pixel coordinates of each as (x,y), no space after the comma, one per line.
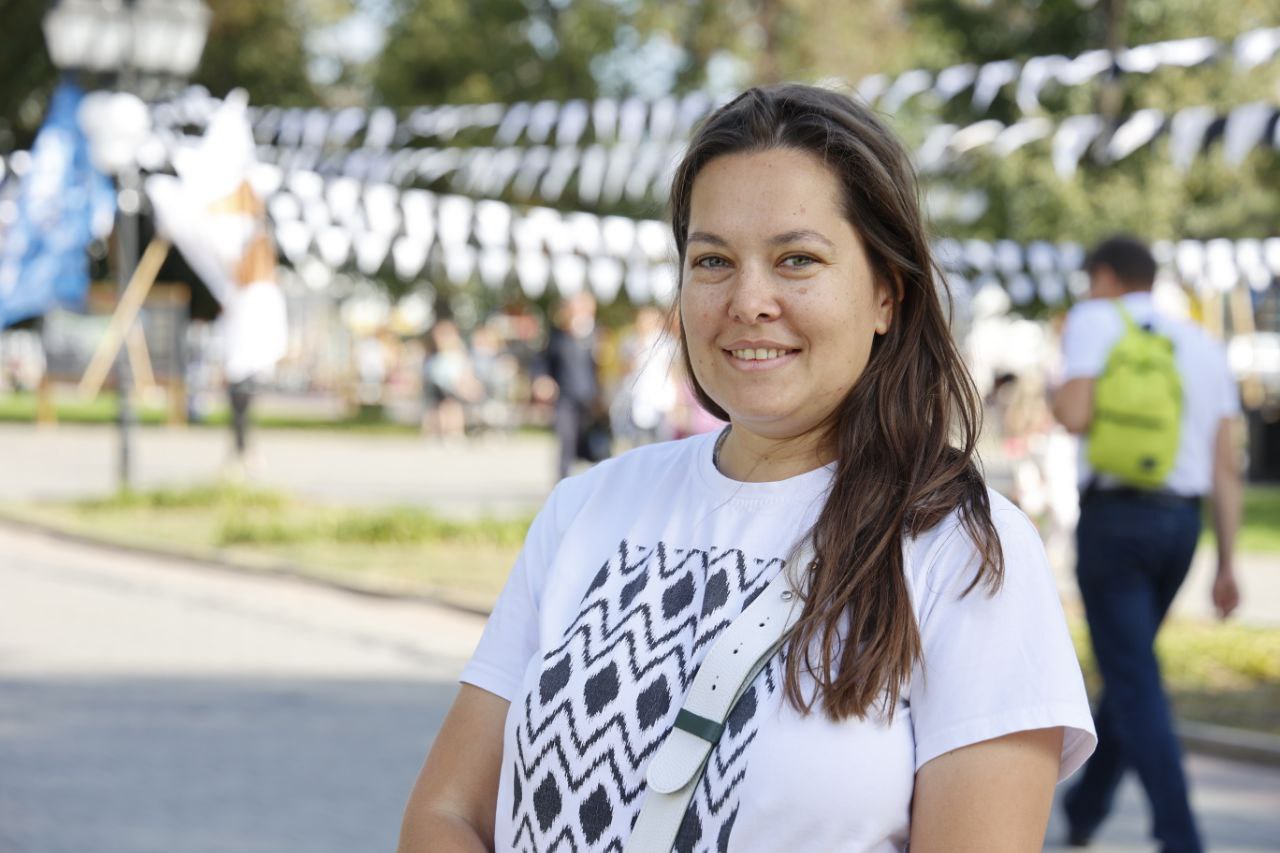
(1206,738)
(1226,742)
(274,569)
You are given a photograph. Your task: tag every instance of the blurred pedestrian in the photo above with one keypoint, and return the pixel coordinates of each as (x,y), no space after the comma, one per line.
(449,384)
(495,370)
(570,362)
(1137,534)
(643,407)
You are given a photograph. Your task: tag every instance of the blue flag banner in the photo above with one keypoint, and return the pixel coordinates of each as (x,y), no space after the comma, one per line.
(63,200)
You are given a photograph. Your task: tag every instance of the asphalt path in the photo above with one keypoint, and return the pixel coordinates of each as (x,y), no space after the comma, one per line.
(150,706)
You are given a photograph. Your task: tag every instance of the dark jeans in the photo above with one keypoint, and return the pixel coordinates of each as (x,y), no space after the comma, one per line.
(240,394)
(1133,553)
(571,418)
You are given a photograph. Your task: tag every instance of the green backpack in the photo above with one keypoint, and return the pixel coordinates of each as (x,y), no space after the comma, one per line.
(1137,408)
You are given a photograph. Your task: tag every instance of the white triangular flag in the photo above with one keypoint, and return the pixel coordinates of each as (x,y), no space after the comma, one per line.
(1137,130)
(495,264)
(334,246)
(605,275)
(907,85)
(1038,71)
(532,269)
(991,78)
(585,229)
(619,235)
(1073,138)
(542,120)
(1246,128)
(1021,133)
(574,116)
(371,251)
(1186,134)
(954,80)
(493,224)
(513,124)
(570,273)
(1256,47)
(459,262)
(409,254)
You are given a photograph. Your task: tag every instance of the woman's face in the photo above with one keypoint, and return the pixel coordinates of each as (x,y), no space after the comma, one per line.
(778,301)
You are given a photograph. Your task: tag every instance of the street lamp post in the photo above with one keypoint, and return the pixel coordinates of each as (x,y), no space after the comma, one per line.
(136,46)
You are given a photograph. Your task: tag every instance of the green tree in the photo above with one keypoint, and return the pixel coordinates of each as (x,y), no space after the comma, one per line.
(1142,194)
(259,46)
(26,74)
(471,51)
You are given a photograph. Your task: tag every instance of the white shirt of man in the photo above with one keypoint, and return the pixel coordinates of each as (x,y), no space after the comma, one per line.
(1208,388)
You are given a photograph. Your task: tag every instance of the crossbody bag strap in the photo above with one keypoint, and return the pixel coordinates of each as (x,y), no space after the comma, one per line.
(727,671)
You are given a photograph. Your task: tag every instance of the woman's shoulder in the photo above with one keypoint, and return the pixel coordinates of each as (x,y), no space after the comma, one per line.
(947,557)
(643,468)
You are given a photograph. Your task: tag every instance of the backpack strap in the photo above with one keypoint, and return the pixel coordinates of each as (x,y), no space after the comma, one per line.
(1129,323)
(728,670)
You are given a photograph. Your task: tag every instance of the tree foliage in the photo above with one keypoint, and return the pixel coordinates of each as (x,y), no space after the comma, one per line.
(259,46)
(1142,194)
(471,51)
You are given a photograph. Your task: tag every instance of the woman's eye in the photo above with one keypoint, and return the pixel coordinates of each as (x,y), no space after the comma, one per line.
(710,262)
(798,261)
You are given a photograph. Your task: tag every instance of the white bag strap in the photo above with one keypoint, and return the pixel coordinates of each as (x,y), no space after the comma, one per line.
(727,671)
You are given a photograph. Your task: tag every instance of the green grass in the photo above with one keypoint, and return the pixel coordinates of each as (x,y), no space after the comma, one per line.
(20,407)
(400,549)
(1222,673)
(1260,527)
(1259,522)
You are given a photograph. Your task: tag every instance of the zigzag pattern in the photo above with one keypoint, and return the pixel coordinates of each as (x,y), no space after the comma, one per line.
(607,694)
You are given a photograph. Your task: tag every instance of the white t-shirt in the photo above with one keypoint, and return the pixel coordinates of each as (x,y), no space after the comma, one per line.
(1208,389)
(631,571)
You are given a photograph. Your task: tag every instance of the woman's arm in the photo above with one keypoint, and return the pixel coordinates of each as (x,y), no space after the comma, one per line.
(451,808)
(990,797)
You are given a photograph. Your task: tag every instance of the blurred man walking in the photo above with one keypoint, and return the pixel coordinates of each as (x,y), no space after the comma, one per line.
(1154,403)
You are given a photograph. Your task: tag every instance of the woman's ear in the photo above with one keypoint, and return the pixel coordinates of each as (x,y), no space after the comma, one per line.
(887,299)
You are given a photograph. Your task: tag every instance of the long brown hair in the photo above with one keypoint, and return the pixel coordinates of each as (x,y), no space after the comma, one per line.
(904,436)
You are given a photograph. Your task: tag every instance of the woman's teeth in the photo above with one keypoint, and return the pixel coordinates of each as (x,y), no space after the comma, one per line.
(758,354)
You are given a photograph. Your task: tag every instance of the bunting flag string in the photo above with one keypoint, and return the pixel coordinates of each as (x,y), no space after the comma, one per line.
(414,234)
(634,121)
(382,229)
(603,176)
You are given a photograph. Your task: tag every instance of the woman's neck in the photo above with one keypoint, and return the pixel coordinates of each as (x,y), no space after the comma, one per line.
(751,458)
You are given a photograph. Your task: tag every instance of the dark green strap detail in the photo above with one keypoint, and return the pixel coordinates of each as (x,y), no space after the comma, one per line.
(708,730)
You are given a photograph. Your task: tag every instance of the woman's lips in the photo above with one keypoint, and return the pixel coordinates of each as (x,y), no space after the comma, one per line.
(760,358)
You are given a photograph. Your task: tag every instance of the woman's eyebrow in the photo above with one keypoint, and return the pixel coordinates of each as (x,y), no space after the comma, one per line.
(704,237)
(799,237)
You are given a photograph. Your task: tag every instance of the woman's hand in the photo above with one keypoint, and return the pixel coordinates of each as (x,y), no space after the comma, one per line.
(990,797)
(451,808)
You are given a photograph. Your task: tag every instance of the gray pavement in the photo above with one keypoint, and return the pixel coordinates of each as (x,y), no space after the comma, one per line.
(495,475)
(151,706)
(491,475)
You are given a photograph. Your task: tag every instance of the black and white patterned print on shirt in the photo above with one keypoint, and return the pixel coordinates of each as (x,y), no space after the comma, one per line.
(607,695)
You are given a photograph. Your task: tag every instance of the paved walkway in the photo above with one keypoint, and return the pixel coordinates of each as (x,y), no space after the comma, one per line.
(494,476)
(150,707)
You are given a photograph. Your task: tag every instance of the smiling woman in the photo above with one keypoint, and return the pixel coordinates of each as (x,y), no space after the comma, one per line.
(779,304)
(928,693)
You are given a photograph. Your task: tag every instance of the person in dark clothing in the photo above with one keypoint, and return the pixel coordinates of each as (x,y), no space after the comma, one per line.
(570,361)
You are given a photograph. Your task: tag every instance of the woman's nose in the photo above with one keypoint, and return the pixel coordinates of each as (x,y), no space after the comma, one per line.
(754,298)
